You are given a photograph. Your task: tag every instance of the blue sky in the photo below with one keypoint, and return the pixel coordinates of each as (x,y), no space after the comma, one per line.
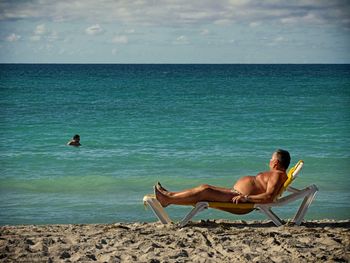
(174,31)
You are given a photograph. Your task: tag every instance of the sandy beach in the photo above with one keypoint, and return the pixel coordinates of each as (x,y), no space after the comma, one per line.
(205,241)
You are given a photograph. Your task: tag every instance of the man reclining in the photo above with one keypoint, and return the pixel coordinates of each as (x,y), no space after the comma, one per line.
(262,188)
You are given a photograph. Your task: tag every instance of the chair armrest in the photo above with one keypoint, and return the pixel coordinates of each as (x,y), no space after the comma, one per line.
(293,190)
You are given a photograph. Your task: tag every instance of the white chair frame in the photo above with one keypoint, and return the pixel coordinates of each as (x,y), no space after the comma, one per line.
(307,193)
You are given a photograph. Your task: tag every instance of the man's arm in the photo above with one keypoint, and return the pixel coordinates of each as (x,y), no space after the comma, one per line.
(267,197)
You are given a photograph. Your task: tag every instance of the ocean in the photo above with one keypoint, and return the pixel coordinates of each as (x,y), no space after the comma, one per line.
(182,125)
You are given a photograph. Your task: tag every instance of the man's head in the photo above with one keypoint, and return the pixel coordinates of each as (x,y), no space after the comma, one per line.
(76,137)
(283,158)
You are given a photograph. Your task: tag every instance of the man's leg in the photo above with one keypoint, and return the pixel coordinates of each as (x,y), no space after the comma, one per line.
(201,193)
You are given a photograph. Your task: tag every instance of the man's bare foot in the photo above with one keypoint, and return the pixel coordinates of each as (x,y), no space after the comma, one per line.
(161,188)
(161,197)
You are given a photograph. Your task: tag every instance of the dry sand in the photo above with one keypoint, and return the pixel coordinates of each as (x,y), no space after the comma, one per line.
(219,241)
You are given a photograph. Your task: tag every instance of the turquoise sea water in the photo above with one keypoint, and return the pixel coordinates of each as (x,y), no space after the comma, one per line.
(182,125)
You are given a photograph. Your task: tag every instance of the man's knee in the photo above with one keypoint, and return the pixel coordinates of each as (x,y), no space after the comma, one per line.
(204,187)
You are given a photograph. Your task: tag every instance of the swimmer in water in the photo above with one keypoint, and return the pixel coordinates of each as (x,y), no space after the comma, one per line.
(75,141)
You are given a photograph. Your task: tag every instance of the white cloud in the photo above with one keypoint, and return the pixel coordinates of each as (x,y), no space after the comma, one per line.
(307,18)
(120,39)
(94,30)
(40,30)
(42,33)
(279,39)
(181,40)
(204,32)
(222,22)
(255,24)
(289,20)
(130,31)
(35,38)
(53,36)
(13,37)
(178,12)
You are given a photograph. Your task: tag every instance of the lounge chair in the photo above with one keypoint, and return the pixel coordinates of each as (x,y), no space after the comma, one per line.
(294,194)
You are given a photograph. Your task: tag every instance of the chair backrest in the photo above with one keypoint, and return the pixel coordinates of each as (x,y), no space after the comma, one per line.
(292,174)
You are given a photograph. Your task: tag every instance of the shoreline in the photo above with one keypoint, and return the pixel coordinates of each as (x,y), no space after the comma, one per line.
(200,241)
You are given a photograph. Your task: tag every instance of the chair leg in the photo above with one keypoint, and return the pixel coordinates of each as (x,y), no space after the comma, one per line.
(200,206)
(299,216)
(158,210)
(275,219)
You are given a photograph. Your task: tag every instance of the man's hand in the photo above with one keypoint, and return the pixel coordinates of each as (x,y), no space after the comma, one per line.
(239,199)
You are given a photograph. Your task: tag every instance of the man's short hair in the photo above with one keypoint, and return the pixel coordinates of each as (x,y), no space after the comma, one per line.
(283,157)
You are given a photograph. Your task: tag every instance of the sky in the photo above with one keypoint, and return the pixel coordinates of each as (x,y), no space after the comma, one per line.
(174,31)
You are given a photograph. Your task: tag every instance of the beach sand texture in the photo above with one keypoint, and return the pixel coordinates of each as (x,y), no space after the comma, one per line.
(205,241)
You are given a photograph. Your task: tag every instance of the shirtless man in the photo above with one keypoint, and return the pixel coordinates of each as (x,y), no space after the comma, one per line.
(261,188)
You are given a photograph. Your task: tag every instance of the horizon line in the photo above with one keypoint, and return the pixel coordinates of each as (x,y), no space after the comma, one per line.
(133,63)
